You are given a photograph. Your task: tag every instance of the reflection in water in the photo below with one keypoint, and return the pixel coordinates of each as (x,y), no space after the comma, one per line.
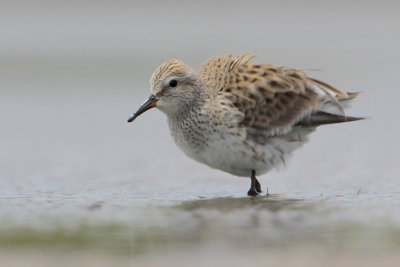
(243,222)
(243,225)
(226,204)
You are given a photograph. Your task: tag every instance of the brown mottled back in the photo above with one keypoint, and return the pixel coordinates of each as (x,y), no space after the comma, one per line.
(271,98)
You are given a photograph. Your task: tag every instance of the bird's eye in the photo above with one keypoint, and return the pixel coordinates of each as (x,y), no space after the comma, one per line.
(173,83)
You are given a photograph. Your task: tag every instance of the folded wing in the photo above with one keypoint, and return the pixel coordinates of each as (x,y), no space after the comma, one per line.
(272,99)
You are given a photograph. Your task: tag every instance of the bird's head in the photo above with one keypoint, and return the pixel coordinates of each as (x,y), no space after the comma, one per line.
(173,86)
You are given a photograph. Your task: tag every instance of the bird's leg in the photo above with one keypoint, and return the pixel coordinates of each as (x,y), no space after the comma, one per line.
(253,188)
(258,186)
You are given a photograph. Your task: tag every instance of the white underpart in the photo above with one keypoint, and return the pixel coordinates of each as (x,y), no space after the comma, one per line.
(239,157)
(229,148)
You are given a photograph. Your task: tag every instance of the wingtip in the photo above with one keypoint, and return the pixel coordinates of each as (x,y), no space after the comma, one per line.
(348,118)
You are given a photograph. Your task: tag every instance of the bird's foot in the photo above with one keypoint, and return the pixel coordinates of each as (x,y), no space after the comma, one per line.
(252,192)
(255,187)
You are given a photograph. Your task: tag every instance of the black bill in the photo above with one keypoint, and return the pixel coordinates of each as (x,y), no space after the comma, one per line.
(150,103)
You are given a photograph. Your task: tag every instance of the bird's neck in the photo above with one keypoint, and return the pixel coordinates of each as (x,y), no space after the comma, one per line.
(187,111)
(187,125)
(188,108)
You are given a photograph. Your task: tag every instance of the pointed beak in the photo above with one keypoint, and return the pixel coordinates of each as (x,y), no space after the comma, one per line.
(150,103)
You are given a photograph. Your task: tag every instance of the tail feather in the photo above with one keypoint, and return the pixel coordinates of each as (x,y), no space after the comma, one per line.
(350,96)
(337,93)
(332,110)
(332,96)
(321,118)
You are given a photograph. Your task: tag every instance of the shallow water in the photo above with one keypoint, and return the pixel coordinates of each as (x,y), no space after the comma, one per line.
(75,176)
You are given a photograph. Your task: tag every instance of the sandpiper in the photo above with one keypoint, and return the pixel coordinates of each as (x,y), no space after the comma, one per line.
(240,117)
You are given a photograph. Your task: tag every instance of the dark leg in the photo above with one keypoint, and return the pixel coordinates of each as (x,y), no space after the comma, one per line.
(258,186)
(253,188)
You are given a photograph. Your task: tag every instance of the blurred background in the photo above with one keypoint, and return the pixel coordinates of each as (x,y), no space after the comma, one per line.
(75,177)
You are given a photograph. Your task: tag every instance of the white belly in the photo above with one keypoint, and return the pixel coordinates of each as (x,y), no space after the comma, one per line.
(236,155)
(241,157)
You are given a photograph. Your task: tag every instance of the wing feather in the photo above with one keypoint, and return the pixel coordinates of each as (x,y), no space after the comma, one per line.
(272,99)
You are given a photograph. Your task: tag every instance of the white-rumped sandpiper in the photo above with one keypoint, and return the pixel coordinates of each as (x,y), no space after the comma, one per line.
(240,117)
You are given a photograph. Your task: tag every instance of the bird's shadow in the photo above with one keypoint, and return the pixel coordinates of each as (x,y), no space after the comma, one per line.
(269,202)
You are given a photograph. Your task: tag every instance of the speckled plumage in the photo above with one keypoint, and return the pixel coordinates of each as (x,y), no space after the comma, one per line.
(240,117)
